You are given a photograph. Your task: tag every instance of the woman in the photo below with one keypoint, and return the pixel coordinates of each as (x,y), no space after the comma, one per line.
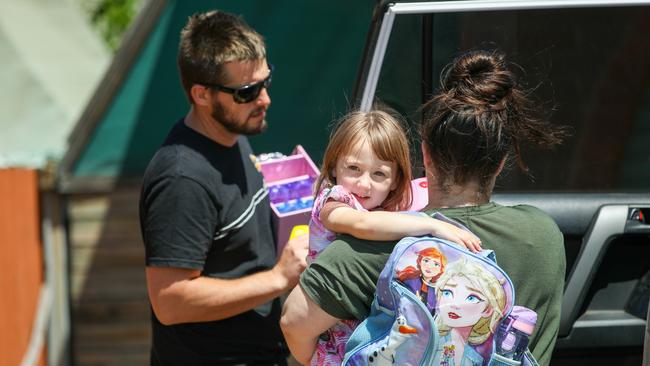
(479,120)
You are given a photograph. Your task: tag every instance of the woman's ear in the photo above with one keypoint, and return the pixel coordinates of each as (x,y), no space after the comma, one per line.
(502,164)
(426,158)
(201,95)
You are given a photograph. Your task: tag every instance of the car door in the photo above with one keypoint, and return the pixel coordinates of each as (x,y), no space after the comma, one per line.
(588,62)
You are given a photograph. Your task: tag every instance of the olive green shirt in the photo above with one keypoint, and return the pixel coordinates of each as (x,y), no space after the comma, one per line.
(528,246)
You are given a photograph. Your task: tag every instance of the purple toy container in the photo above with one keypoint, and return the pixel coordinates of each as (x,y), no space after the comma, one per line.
(290,181)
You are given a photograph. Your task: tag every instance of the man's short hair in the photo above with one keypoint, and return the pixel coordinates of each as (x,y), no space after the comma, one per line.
(210,40)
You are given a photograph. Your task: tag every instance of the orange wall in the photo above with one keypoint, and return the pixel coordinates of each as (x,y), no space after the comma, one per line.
(21,264)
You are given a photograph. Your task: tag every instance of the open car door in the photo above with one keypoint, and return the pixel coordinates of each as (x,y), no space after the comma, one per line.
(590,61)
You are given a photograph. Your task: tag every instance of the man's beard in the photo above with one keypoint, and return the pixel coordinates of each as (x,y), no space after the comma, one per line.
(236,127)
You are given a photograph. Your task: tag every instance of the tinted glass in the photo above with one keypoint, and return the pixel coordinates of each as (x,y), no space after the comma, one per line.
(589,68)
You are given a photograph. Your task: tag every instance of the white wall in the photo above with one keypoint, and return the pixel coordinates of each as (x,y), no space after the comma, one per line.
(51,61)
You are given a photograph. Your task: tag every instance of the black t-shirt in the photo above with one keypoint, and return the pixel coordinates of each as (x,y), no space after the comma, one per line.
(204,206)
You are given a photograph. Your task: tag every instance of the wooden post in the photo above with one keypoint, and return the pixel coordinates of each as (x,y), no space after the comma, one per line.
(21,262)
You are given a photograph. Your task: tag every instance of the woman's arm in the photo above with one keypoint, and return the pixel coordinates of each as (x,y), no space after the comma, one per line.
(302,322)
(385,225)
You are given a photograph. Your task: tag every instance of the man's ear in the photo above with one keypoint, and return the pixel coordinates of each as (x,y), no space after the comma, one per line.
(201,95)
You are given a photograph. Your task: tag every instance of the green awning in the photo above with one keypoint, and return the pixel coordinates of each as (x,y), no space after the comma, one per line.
(315,46)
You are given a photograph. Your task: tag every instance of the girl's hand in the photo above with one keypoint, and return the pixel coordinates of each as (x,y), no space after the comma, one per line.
(453,233)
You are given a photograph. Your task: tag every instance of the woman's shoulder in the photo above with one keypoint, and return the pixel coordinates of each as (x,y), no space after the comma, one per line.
(528,216)
(527,211)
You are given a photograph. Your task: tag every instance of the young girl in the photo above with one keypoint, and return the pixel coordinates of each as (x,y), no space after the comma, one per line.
(365,175)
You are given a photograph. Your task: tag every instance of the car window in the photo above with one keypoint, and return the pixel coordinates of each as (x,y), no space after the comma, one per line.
(589,68)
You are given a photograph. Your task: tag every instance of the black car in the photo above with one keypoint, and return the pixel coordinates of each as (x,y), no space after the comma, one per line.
(588,62)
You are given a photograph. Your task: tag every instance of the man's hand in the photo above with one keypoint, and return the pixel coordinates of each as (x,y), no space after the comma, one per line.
(293,261)
(182,296)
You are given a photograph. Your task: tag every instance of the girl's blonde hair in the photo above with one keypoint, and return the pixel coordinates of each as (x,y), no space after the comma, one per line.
(488,284)
(388,141)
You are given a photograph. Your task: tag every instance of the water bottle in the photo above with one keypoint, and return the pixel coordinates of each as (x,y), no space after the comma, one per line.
(513,335)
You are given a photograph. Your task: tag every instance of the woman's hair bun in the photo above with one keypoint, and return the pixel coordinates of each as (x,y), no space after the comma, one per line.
(479,77)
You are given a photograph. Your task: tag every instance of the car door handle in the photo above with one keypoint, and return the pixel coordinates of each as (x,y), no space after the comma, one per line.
(638,220)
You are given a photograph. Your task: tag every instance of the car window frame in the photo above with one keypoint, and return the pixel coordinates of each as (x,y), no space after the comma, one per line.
(376,51)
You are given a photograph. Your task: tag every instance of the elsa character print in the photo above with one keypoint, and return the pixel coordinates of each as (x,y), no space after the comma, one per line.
(470,303)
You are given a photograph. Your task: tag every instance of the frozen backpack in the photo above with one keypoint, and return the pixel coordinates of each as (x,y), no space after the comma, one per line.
(438,304)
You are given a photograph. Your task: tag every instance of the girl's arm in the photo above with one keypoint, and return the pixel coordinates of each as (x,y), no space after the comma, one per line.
(301,323)
(385,225)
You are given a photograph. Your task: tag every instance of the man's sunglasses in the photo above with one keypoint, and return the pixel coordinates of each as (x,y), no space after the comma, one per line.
(246,93)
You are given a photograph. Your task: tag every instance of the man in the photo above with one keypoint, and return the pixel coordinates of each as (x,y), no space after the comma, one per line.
(205,214)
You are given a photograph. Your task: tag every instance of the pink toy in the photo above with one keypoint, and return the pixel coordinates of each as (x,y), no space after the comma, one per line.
(290,182)
(420,194)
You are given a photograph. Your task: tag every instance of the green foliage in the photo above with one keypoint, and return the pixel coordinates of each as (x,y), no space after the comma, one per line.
(112,18)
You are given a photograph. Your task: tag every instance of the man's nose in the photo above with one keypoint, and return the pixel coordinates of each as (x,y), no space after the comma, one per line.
(264,99)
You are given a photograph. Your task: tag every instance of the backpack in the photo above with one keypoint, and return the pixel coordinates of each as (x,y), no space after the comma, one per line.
(415,317)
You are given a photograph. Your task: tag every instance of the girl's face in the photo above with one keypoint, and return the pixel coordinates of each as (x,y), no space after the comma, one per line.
(461,304)
(369,179)
(430,267)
